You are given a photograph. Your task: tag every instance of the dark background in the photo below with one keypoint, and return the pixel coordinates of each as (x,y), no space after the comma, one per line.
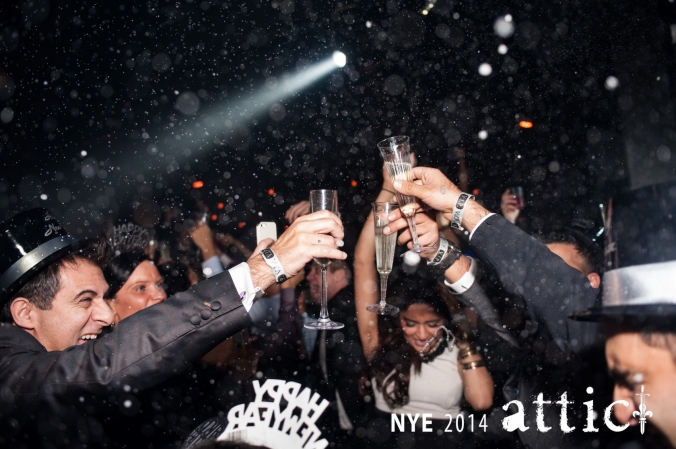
(90,101)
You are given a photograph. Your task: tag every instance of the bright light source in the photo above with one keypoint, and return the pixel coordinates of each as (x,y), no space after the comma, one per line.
(339,58)
(502,49)
(198,184)
(424,12)
(525,124)
(612,83)
(485,69)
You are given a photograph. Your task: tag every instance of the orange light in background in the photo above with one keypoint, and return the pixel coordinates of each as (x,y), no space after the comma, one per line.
(214,217)
(198,184)
(241,224)
(221,205)
(354,183)
(271,192)
(476,192)
(525,124)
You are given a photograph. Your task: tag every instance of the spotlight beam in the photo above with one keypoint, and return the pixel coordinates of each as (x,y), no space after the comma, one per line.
(219,122)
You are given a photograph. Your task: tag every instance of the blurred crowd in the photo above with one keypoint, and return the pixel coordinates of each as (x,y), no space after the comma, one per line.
(482,343)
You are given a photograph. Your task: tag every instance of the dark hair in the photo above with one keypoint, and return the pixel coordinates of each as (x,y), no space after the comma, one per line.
(589,250)
(394,354)
(120,267)
(44,286)
(341,265)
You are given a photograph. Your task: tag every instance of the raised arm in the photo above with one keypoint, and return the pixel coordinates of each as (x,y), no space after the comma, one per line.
(525,266)
(366,277)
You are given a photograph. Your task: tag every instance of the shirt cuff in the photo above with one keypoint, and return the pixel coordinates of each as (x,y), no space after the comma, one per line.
(465,282)
(212,266)
(241,277)
(479,224)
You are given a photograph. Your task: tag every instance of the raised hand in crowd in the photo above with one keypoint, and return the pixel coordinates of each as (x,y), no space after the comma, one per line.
(203,238)
(435,190)
(227,240)
(509,205)
(297,210)
(319,234)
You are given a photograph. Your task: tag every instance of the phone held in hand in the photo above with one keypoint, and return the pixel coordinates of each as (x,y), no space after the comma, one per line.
(266,230)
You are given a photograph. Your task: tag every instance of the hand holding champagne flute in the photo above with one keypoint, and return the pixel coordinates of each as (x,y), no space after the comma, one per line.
(396,153)
(324,200)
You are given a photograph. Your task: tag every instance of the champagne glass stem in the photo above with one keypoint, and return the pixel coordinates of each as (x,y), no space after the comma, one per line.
(383,288)
(414,233)
(324,313)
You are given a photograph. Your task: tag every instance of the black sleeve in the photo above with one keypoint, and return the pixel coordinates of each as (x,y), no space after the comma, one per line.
(527,268)
(145,349)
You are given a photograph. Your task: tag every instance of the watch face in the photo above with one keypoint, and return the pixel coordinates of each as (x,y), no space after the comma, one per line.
(267,253)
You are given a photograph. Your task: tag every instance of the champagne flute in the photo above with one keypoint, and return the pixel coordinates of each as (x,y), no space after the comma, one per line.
(324,200)
(385,245)
(396,153)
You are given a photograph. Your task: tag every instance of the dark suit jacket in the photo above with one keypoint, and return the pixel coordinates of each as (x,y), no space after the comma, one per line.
(556,354)
(74,397)
(344,358)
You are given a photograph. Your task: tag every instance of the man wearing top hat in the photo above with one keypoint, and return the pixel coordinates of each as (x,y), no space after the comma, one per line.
(61,384)
(639,306)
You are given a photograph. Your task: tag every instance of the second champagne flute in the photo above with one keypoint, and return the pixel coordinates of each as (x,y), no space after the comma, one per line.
(385,245)
(324,200)
(396,153)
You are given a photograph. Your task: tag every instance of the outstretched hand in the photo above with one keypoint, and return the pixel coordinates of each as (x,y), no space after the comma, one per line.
(316,235)
(428,232)
(436,191)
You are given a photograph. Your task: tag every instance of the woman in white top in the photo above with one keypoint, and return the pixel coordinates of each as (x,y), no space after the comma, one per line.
(414,364)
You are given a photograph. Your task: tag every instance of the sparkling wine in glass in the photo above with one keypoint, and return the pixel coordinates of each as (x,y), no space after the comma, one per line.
(396,153)
(385,245)
(324,200)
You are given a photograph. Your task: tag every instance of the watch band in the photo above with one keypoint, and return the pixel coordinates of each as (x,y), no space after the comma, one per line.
(459,210)
(446,256)
(275,265)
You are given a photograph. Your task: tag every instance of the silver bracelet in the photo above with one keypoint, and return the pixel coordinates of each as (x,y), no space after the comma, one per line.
(277,269)
(441,252)
(446,256)
(459,210)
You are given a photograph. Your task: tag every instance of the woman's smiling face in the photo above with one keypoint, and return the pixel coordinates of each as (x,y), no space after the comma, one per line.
(419,323)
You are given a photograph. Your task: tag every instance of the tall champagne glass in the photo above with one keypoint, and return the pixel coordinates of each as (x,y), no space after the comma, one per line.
(396,153)
(324,200)
(385,245)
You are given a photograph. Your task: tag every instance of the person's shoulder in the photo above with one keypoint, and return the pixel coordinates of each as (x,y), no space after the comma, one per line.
(12,337)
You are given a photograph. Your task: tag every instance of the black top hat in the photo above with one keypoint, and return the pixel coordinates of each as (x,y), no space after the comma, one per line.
(640,257)
(29,242)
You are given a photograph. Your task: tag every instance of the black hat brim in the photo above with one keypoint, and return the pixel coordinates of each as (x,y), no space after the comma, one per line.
(656,313)
(26,275)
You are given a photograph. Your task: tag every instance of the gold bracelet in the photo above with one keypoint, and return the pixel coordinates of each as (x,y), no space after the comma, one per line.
(473,365)
(468,351)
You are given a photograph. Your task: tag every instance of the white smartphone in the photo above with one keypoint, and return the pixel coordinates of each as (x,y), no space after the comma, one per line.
(266,230)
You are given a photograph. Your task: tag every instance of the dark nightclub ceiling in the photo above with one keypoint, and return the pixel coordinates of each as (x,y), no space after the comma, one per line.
(112,110)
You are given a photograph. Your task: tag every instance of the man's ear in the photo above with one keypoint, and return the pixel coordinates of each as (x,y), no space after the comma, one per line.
(594,280)
(21,309)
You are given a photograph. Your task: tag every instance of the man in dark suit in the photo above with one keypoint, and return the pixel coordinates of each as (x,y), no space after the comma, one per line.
(61,384)
(336,357)
(557,355)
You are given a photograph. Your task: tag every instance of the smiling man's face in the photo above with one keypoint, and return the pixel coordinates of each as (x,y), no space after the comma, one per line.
(78,312)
